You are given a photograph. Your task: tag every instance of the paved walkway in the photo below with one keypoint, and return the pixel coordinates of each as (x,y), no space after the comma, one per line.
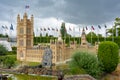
(114,75)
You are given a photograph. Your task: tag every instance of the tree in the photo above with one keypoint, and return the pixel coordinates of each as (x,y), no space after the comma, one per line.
(3,36)
(85,61)
(91,35)
(63,30)
(108,55)
(9,61)
(99,35)
(46,35)
(112,30)
(3,50)
(40,34)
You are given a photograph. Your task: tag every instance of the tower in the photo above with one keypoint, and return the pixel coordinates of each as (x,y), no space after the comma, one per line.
(24,36)
(83,39)
(58,47)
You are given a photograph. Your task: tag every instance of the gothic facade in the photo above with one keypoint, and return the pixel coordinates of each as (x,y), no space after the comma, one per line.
(27,52)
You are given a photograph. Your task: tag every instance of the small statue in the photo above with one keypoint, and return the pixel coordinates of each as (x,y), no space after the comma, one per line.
(47,58)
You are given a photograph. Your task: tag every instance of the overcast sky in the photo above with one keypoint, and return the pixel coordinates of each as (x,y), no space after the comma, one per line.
(50,13)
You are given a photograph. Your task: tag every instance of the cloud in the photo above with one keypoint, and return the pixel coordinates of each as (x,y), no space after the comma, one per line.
(78,12)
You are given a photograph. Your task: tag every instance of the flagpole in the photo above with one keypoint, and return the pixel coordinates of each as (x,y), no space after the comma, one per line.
(105,35)
(91,36)
(98,35)
(36,37)
(40,37)
(74,34)
(112,34)
(47,36)
(116,32)
(79,37)
(69,36)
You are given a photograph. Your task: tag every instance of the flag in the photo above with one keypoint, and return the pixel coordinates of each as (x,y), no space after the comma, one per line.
(41,29)
(44,29)
(105,26)
(6,27)
(3,27)
(99,26)
(86,28)
(11,27)
(48,28)
(70,29)
(92,28)
(27,6)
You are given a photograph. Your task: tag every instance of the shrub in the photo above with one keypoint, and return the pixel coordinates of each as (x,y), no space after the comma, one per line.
(3,50)
(87,62)
(9,61)
(14,48)
(108,55)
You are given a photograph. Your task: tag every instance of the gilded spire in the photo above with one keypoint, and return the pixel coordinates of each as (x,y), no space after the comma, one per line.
(32,18)
(25,15)
(18,18)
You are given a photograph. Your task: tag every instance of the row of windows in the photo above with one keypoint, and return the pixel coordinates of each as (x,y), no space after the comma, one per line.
(21,43)
(21,31)
(34,56)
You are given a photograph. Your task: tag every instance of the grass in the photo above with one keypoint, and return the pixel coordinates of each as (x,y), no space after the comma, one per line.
(31,77)
(33,63)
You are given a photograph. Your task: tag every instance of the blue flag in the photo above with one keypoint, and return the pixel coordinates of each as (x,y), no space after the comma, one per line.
(11,27)
(105,26)
(99,26)
(27,6)
(3,27)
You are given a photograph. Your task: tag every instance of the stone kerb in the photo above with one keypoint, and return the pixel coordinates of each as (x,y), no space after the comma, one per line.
(79,77)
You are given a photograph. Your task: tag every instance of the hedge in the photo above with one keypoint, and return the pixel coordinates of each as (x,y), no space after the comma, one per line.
(108,55)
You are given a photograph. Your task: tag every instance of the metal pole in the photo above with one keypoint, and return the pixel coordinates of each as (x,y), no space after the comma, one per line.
(98,35)
(91,36)
(74,34)
(79,40)
(105,35)
(112,35)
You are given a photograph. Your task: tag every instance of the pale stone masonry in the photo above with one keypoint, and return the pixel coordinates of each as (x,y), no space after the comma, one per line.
(27,52)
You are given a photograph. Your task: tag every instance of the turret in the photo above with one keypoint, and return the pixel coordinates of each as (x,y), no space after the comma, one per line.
(59,37)
(32,19)
(18,18)
(83,39)
(83,31)
(25,17)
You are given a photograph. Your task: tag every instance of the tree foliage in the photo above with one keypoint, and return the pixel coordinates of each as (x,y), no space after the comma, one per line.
(9,61)
(108,55)
(112,30)
(93,36)
(3,36)
(63,30)
(3,50)
(87,62)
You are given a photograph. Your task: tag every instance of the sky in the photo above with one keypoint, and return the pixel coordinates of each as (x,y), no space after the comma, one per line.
(51,13)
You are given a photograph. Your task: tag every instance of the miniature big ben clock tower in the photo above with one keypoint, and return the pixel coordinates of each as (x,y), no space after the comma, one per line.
(83,39)
(24,36)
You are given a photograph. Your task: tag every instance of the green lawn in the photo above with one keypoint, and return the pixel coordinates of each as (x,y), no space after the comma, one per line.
(33,63)
(31,77)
